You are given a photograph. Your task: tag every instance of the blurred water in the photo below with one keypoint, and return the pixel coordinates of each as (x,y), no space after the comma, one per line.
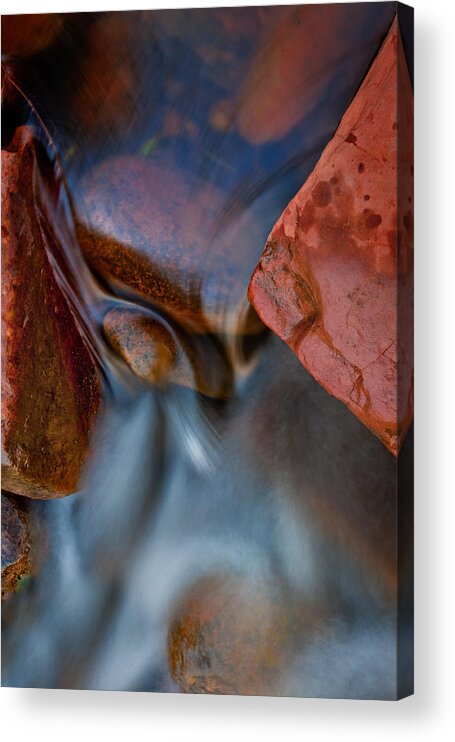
(275,480)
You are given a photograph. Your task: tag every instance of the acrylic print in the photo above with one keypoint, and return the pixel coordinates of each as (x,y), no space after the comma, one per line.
(207,359)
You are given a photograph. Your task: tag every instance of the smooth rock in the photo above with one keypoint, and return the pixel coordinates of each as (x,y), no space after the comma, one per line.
(157,355)
(172,239)
(50,385)
(144,343)
(229,636)
(339,260)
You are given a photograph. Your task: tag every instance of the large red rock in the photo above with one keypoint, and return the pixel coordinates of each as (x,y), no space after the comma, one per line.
(50,385)
(340,258)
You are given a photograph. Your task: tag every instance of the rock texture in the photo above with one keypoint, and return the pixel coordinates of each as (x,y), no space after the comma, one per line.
(50,387)
(157,355)
(172,239)
(15,543)
(229,636)
(339,260)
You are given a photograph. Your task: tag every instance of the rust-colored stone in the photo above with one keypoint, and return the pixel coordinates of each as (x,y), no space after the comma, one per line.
(15,543)
(341,254)
(50,387)
(24,35)
(144,343)
(172,239)
(230,636)
(154,353)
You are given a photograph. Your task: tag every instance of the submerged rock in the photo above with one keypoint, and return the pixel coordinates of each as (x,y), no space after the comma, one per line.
(172,239)
(297,66)
(50,385)
(229,636)
(15,543)
(144,343)
(157,356)
(339,261)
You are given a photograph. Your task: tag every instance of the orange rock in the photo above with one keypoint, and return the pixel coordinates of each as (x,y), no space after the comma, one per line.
(229,635)
(156,355)
(143,343)
(341,254)
(50,386)
(171,239)
(15,543)
(23,35)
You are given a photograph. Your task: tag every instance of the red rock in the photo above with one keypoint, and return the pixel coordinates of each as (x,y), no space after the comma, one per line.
(15,543)
(23,35)
(157,356)
(170,238)
(341,252)
(50,387)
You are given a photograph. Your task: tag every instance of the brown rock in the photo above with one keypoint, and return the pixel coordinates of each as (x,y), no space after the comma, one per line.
(171,239)
(143,343)
(156,355)
(229,636)
(341,252)
(24,35)
(15,543)
(50,386)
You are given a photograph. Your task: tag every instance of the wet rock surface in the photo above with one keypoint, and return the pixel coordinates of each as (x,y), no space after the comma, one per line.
(15,543)
(167,236)
(341,254)
(50,385)
(158,355)
(230,635)
(143,343)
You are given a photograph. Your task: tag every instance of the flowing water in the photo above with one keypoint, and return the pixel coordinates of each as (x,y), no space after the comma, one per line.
(246,472)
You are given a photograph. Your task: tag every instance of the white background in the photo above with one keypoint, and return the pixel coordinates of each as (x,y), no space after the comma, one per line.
(72,715)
